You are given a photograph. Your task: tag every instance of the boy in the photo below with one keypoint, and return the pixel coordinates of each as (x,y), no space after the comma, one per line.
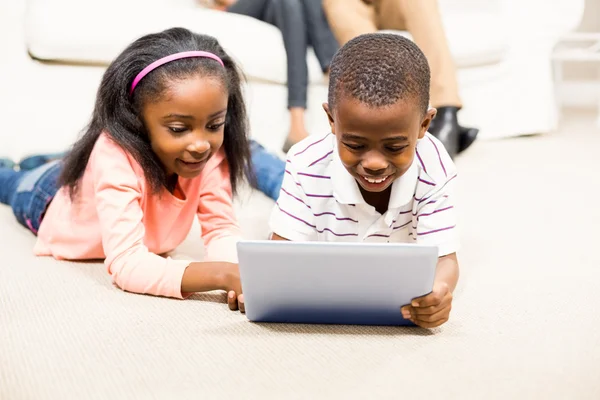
(379,176)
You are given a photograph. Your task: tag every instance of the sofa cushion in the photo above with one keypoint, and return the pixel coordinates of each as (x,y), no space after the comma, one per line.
(68,31)
(77,32)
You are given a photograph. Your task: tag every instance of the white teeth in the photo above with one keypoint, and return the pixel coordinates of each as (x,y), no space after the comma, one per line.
(375,180)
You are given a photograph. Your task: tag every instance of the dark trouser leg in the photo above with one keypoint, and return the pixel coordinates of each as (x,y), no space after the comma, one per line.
(288,16)
(320,36)
(250,8)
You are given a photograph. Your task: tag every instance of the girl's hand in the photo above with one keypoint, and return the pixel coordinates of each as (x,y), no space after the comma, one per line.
(211,275)
(235,301)
(233,286)
(431,310)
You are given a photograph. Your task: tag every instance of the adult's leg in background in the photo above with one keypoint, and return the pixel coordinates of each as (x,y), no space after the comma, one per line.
(422,19)
(349,18)
(320,35)
(250,8)
(288,16)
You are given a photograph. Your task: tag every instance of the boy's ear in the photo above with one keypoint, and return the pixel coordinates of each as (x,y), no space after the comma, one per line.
(429,116)
(329,116)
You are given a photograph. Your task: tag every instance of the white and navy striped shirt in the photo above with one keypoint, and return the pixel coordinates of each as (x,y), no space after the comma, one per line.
(321,201)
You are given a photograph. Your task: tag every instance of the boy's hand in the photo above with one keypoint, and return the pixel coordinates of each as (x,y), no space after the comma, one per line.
(431,310)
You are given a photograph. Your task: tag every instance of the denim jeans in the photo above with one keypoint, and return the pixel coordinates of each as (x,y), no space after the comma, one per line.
(268,170)
(29,192)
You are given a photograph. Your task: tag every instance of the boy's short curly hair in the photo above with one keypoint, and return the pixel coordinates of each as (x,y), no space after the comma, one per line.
(379,69)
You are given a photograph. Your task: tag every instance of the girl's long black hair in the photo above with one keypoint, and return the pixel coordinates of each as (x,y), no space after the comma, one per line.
(118,113)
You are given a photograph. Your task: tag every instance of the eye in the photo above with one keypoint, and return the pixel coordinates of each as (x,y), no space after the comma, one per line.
(354,147)
(395,149)
(215,127)
(177,129)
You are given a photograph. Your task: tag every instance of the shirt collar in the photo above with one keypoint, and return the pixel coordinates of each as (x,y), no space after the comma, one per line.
(346,190)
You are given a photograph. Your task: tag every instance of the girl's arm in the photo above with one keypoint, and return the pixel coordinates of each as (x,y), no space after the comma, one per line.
(207,276)
(220,233)
(220,229)
(133,267)
(117,197)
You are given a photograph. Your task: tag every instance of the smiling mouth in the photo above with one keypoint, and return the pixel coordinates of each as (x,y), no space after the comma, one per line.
(193,165)
(375,180)
(192,162)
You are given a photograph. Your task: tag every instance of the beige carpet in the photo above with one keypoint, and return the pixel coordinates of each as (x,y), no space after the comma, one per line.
(525,322)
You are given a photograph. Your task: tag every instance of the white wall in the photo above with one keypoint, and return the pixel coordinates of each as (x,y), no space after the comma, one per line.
(582,80)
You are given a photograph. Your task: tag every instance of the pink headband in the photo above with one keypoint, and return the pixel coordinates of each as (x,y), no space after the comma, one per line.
(167,59)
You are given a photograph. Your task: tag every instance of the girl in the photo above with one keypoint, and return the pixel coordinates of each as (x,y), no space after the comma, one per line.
(167,142)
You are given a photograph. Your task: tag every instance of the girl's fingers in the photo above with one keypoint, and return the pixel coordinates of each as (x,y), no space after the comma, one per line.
(232,300)
(241,305)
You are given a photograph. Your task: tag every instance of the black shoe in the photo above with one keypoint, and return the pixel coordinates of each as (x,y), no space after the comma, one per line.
(445,127)
(467,137)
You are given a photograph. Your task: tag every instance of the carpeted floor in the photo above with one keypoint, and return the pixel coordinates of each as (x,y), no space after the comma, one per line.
(523,324)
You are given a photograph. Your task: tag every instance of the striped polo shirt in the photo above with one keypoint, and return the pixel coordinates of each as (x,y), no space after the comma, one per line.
(321,201)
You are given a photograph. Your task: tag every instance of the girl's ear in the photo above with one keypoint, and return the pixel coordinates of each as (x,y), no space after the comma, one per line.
(429,116)
(330,117)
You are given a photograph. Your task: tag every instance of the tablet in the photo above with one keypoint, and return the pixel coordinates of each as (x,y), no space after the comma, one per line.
(333,283)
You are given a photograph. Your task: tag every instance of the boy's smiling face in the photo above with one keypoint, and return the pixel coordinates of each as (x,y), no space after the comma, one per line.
(377,144)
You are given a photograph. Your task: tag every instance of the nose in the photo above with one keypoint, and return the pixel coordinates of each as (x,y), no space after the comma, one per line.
(198,144)
(374,163)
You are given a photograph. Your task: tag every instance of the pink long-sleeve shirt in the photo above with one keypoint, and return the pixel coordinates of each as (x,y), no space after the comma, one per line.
(116,217)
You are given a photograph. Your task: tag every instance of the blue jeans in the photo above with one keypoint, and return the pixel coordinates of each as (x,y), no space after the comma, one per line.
(30,190)
(268,170)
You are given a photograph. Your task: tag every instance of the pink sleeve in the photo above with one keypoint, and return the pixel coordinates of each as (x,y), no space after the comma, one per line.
(118,194)
(220,230)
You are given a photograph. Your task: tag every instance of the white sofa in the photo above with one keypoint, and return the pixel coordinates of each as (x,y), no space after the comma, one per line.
(501,47)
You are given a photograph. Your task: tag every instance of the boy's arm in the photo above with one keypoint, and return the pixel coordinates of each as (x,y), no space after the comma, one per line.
(292,217)
(275,236)
(447,271)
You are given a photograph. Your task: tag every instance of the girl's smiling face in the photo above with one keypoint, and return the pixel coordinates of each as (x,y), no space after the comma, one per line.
(186,124)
